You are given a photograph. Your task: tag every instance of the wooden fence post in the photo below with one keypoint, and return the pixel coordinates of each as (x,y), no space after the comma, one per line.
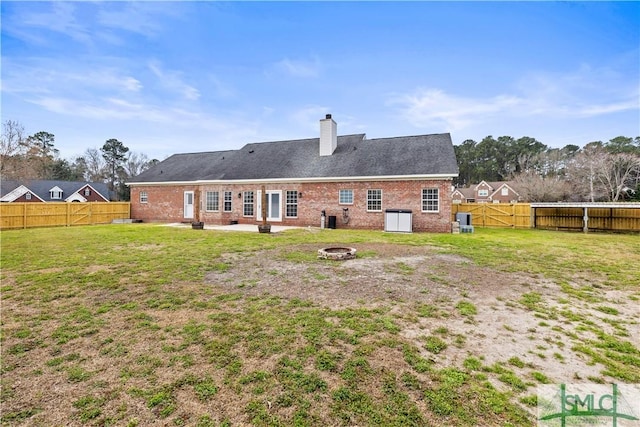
(532,217)
(585,220)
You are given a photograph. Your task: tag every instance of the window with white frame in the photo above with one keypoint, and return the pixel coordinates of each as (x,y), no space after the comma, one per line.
(228,197)
(346,197)
(483,193)
(27,196)
(374,200)
(292,204)
(504,191)
(56,193)
(247,203)
(430,200)
(144,197)
(213,201)
(87,191)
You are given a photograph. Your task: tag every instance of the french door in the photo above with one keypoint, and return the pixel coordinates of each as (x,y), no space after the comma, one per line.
(274,205)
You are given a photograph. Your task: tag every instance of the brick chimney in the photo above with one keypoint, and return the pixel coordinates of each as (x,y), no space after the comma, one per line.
(328,136)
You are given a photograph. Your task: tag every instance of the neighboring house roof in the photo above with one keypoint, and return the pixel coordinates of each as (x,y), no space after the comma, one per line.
(499,185)
(11,190)
(494,186)
(17,192)
(354,156)
(467,193)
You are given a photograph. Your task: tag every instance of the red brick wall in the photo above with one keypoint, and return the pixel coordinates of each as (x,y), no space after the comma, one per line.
(504,199)
(93,197)
(165,203)
(23,199)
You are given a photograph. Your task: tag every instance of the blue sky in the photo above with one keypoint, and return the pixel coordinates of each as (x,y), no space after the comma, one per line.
(168,77)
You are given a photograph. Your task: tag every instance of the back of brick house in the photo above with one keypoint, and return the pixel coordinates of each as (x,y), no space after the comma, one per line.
(349,177)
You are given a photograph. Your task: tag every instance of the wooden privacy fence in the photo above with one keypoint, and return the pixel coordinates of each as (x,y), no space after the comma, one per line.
(555,216)
(587,216)
(27,215)
(509,215)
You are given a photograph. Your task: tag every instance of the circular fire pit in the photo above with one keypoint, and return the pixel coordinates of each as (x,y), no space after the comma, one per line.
(337,253)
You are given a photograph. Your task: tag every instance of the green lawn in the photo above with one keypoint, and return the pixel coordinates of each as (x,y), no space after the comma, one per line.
(116,325)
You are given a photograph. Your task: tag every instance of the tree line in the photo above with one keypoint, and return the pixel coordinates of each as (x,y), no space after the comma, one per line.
(599,171)
(35,157)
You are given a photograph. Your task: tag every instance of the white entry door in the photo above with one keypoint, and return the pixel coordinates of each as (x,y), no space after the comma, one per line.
(274,205)
(188,204)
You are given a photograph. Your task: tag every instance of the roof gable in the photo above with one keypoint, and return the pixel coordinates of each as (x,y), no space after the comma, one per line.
(16,193)
(483,183)
(42,188)
(504,185)
(466,192)
(79,194)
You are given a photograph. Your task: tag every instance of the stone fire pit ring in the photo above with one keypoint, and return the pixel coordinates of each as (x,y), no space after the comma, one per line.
(337,253)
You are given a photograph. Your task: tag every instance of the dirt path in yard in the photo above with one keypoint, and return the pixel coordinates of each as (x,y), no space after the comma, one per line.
(410,279)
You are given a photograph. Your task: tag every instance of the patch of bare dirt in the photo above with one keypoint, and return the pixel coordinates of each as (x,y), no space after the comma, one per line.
(403,278)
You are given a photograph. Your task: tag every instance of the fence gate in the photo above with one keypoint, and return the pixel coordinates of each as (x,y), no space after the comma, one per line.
(79,213)
(496,214)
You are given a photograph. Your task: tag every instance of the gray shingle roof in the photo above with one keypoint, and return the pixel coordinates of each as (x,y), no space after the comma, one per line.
(42,187)
(355,156)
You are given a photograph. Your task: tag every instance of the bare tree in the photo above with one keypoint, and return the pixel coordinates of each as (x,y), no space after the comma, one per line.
(135,164)
(619,174)
(534,187)
(12,145)
(94,165)
(598,174)
(583,173)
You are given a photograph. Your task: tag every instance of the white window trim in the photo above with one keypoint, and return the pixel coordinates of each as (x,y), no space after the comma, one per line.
(422,200)
(286,204)
(374,210)
(340,202)
(253,203)
(206,201)
(146,197)
(224,201)
(483,193)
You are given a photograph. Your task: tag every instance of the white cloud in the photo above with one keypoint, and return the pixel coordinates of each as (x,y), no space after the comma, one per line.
(585,93)
(433,107)
(88,22)
(308,117)
(60,17)
(34,76)
(132,84)
(220,88)
(299,68)
(132,17)
(172,80)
